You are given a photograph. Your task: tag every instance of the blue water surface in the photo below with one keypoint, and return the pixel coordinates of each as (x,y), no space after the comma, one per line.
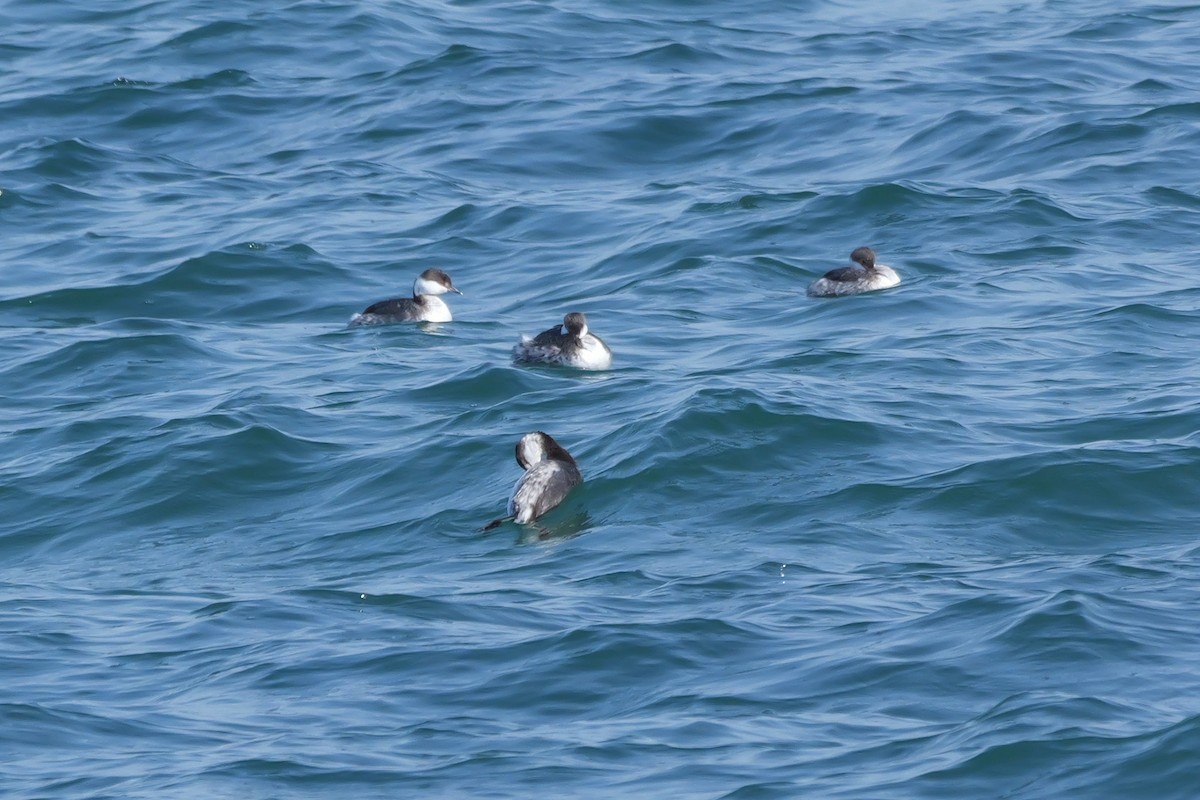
(934,542)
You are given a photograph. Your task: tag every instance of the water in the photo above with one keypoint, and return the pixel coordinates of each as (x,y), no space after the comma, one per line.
(936,542)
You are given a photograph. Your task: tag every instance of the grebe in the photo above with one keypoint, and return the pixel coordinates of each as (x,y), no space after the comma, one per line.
(423,306)
(550,474)
(570,344)
(855,280)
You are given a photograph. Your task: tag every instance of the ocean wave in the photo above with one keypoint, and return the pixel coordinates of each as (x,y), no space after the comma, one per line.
(931,541)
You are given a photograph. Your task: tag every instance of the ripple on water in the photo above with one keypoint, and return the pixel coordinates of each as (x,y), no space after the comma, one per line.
(934,541)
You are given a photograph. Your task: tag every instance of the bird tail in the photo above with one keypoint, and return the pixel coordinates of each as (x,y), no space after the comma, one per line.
(496,523)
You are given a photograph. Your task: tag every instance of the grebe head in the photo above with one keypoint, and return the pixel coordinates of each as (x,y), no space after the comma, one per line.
(433,281)
(538,446)
(575,324)
(530,449)
(864,256)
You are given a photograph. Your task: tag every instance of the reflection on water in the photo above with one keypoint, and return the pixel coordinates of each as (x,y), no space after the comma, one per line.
(550,529)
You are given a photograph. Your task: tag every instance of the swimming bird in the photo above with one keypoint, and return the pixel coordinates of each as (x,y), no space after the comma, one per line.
(550,474)
(423,306)
(570,344)
(855,280)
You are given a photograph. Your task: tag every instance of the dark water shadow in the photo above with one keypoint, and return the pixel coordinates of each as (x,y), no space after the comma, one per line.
(568,527)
